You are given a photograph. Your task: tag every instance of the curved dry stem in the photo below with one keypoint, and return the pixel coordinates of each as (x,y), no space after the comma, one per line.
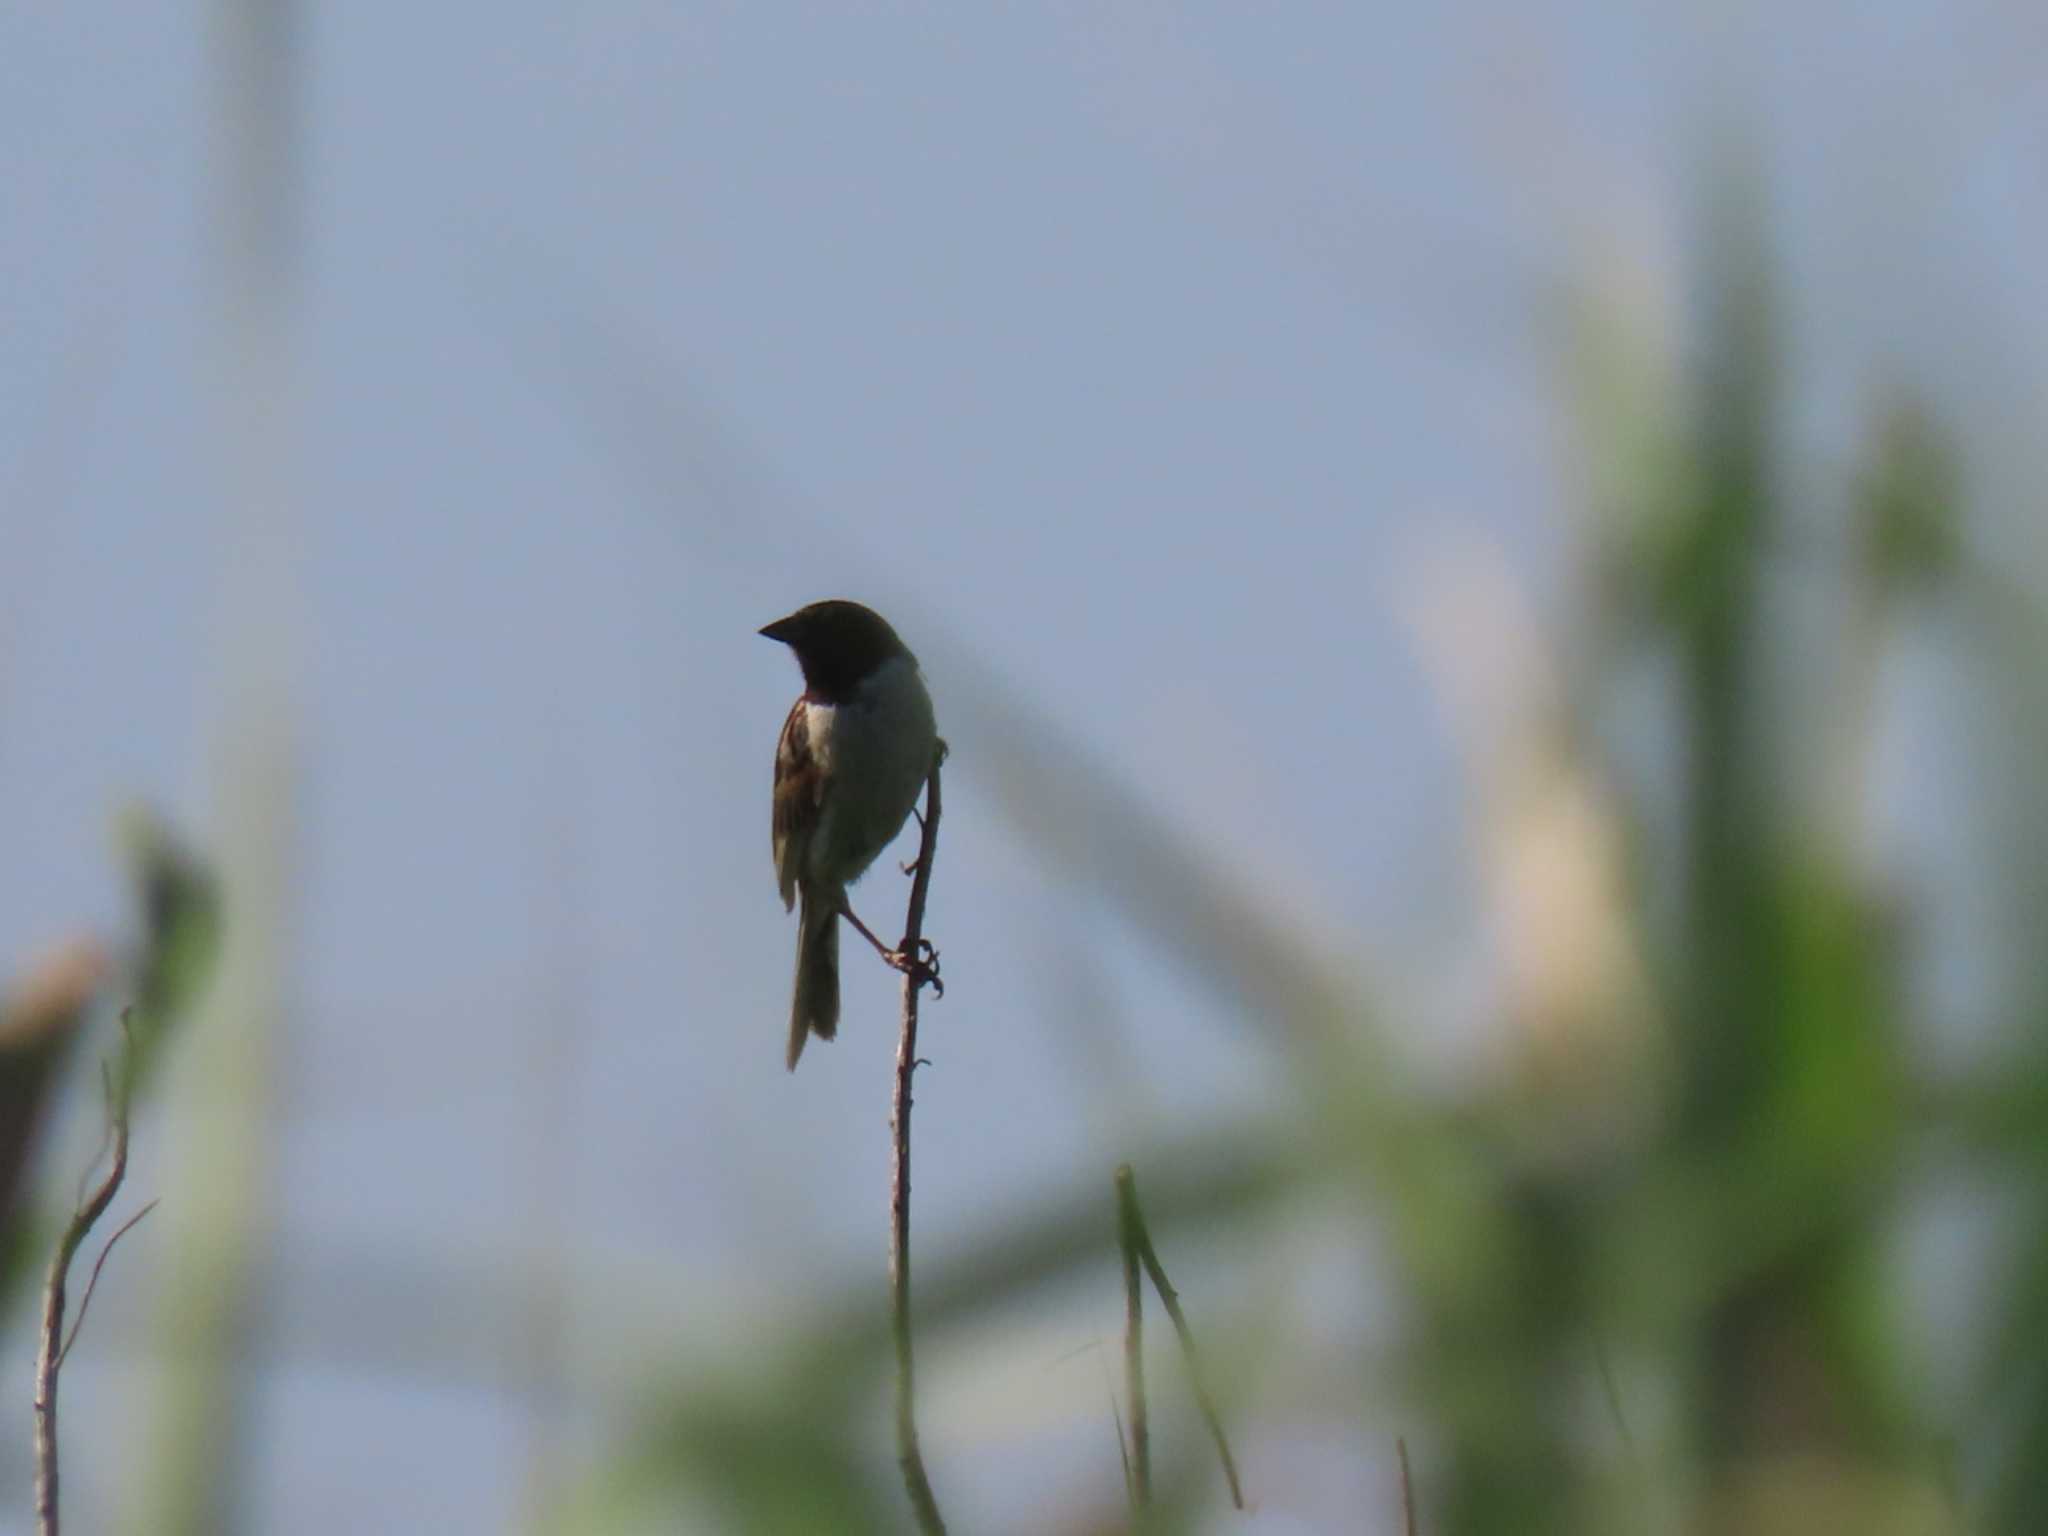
(92,1281)
(54,1345)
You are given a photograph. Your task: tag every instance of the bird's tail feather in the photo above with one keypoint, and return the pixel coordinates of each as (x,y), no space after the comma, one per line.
(815,1010)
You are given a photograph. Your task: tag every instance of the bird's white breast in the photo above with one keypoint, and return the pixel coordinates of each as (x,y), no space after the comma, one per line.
(875,750)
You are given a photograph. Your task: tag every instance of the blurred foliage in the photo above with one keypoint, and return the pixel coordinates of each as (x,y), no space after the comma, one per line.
(40,1019)
(1696,1211)
(179,908)
(51,1005)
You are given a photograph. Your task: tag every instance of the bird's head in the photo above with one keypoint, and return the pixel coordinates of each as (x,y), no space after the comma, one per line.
(839,644)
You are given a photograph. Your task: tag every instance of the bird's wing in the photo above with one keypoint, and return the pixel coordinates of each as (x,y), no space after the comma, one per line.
(799,795)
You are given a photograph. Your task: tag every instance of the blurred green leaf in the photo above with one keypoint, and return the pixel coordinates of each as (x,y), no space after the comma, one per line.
(179,905)
(778,1456)
(1906,511)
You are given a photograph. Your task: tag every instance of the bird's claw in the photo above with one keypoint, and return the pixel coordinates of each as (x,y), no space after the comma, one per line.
(922,967)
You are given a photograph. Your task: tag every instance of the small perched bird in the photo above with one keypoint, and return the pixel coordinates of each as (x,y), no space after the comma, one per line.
(853,755)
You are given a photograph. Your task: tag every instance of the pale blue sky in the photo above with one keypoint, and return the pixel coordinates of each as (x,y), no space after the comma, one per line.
(1145,352)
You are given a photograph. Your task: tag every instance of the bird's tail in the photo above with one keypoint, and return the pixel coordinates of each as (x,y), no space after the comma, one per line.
(815,1010)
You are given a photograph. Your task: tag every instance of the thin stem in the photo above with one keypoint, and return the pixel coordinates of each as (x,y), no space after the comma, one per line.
(1123,1447)
(92,1282)
(1408,1527)
(51,1351)
(1129,1225)
(1171,1299)
(908,1455)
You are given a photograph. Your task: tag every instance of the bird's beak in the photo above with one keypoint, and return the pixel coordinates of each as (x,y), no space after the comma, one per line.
(779,630)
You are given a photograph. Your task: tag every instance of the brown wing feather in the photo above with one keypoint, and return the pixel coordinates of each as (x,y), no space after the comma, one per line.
(799,790)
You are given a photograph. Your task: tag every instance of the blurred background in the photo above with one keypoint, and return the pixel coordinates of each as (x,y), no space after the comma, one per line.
(1482,567)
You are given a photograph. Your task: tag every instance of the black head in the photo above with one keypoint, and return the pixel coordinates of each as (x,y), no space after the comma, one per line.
(837,644)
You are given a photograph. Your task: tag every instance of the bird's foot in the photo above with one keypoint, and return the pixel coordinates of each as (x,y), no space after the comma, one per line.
(922,967)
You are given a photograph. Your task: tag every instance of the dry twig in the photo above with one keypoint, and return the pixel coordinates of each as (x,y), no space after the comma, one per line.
(92,1281)
(908,1455)
(55,1344)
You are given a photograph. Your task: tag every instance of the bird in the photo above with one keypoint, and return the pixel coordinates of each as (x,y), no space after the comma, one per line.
(853,754)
